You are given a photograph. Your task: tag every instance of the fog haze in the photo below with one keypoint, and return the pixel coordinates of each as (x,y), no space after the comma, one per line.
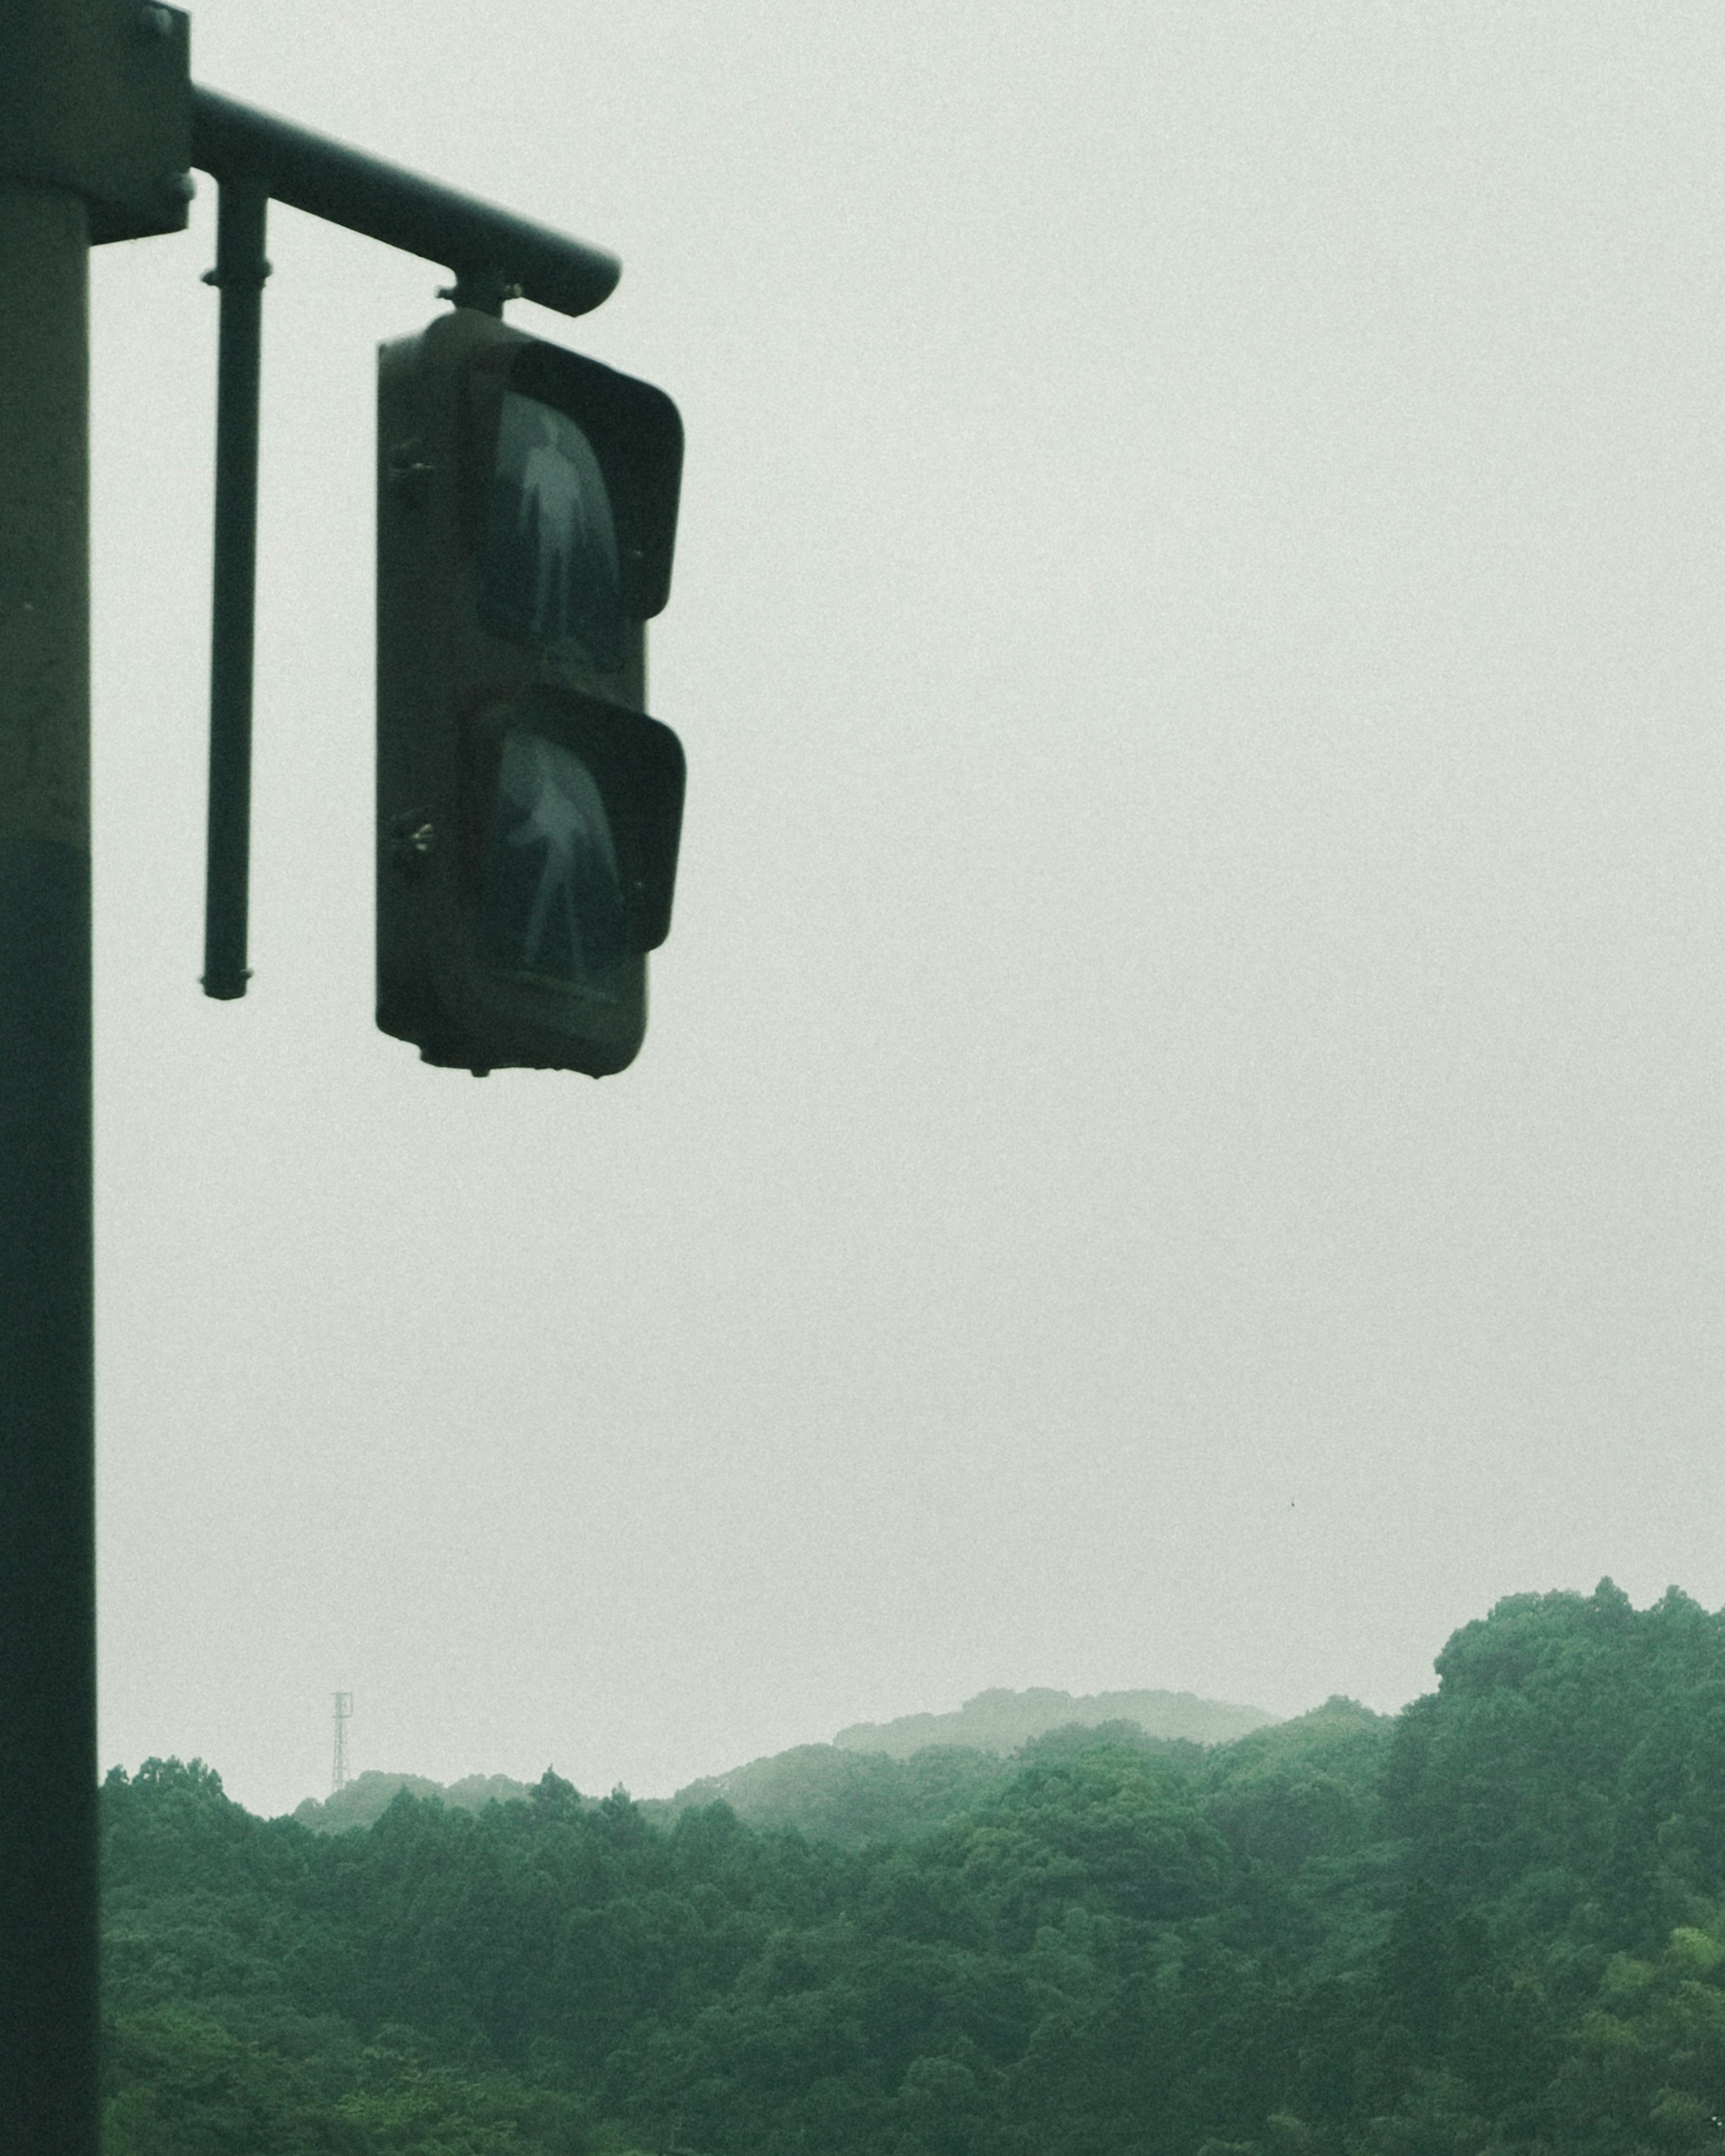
(1178,1142)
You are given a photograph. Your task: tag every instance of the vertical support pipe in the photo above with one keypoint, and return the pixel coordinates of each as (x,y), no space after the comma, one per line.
(47,1767)
(239,273)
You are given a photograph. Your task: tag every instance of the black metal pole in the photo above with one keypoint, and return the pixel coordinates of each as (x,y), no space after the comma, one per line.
(47,1766)
(240,272)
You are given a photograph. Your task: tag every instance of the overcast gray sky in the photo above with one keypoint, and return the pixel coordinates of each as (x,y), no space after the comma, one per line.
(1179,1140)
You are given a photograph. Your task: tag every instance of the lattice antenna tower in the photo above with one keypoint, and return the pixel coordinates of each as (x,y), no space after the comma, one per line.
(344,1709)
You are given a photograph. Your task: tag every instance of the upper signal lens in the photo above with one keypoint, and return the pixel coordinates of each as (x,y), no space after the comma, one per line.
(548,572)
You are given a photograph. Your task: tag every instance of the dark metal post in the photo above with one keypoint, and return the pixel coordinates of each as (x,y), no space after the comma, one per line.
(95,139)
(240,272)
(47,1766)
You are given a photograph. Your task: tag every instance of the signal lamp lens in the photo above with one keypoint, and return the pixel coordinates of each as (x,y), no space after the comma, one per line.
(552,906)
(548,572)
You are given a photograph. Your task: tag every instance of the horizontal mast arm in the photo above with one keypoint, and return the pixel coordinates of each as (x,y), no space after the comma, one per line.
(386,202)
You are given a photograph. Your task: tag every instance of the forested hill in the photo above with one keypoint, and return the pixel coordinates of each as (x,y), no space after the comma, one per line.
(1001,1720)
(853,1797)
(875,1779)
(1493,1925)
(368,1796)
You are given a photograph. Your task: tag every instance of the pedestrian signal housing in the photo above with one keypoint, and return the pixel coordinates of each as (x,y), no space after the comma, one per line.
(528,807)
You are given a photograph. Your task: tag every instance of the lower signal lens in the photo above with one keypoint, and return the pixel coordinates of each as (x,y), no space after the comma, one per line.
(551,903)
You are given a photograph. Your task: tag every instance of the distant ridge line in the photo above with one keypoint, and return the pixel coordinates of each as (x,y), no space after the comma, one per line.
(1000,1720)
(368,1796)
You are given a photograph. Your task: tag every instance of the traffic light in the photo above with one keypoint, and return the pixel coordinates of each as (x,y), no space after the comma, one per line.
(528,809)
